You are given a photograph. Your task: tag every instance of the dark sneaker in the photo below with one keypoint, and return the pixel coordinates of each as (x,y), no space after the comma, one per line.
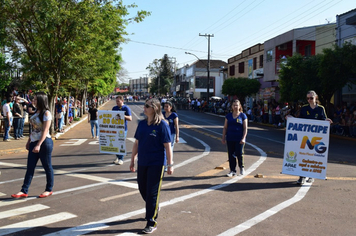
(301,180)
(310,180)
(149,229)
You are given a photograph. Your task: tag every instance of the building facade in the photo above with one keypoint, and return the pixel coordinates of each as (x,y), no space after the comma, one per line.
(192,80)
(140,86)
(346,32)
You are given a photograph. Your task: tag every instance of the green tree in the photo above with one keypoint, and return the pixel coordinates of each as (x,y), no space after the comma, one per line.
(325,73)
(241,87)
(162,72)
(5,77)
(59,41)
(299,75)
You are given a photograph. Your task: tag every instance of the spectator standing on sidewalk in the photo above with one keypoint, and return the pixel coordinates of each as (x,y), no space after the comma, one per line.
(39,146)
(6,111)
(93,120)
(234,135)
(313,110)
(152,148)
(17,120)
(122,107)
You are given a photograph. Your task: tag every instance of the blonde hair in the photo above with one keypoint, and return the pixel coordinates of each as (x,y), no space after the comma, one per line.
(157,116)
(313,93)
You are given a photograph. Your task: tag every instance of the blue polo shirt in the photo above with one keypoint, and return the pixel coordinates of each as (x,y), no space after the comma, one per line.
(235,127)
(170,120)
(124,108)
(151,139)
(318,113)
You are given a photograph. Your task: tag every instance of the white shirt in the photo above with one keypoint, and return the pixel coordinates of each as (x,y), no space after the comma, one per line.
(6,110)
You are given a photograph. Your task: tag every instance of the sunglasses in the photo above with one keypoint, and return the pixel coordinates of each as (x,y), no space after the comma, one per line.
(310,98)
(147,106)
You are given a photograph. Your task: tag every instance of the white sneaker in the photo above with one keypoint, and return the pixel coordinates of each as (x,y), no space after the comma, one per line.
(301,180)
(310,180)
(118,162)
(242,171)
(232,173)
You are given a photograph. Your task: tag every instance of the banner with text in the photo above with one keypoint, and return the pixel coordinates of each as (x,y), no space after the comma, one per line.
(112,132)
(306,148)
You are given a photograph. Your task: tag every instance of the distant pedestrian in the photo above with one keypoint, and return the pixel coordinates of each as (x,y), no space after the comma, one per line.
(39,146)
(152,148)
(122,107)
(234,135)
(93,120)
(170,114)
(6,110)
(17,118)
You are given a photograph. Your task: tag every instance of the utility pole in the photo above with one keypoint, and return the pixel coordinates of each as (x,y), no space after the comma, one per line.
(208,66)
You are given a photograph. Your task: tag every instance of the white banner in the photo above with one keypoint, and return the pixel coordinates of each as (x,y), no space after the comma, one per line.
(112,132)
(306,148)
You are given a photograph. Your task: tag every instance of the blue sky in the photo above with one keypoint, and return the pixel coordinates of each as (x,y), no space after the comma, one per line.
(174,27)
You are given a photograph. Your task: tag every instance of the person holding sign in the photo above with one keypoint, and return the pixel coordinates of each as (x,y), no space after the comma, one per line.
(234,135)
(122,107)
(152,148)
(312,110)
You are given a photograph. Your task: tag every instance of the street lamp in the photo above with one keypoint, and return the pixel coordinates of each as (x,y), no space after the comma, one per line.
(208,70)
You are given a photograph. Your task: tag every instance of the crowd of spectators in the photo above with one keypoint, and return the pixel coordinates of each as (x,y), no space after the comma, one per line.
(22,109)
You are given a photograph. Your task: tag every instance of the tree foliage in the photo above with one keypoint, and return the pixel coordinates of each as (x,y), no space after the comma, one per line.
(5,77)
(325,73)
(241,87)
(162,72)
(67,46)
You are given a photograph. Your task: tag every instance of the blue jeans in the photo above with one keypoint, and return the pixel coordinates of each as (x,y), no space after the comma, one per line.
(121,157)
(22,124)
(60,123)
(96,124)
(17,127)
(7,127)
(235,150)
(45,155)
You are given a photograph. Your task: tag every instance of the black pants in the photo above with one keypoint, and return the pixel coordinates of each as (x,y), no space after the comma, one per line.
(235,150)
(149,180)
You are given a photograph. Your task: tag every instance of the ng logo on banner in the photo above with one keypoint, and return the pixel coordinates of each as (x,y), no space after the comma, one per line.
(306,148)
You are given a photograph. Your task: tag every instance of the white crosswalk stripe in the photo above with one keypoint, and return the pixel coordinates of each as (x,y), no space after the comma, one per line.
(22,210)
(41,221)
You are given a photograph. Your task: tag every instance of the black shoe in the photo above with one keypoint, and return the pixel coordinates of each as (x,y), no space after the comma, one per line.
(301,180)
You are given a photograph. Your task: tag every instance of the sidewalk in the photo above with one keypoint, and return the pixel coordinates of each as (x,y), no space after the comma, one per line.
(19,146)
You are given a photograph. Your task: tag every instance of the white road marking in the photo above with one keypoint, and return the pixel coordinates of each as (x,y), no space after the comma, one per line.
(11,164)
(87,228)
(22,210)
(74,142)
(25,225)
(270,212)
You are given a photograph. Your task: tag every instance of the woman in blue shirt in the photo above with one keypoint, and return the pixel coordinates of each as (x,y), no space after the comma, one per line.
(171,116)
(152,148)
(234,135)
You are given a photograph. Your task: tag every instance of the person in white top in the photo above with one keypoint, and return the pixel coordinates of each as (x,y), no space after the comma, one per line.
(7,118)
(39,146)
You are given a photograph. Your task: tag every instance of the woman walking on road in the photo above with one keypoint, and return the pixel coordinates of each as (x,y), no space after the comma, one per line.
(234,135)
(153,148)
(39,146)
(93,120)
(171,116)
(312,110)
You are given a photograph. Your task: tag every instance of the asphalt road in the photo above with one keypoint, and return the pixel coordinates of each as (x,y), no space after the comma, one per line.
(92,196)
